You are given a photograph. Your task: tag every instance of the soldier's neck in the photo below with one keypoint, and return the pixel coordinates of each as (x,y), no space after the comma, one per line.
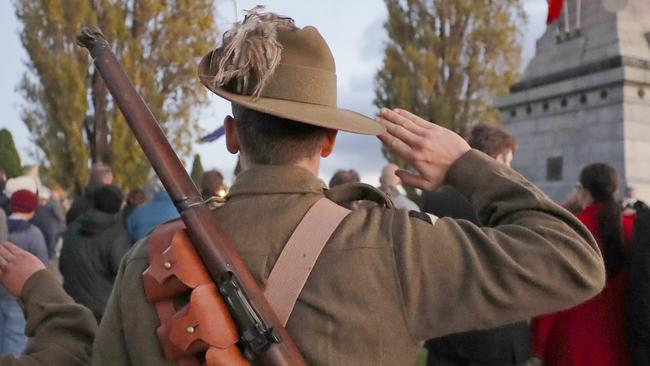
(310,164)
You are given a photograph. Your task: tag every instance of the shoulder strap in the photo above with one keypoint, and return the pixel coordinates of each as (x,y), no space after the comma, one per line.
(299,255)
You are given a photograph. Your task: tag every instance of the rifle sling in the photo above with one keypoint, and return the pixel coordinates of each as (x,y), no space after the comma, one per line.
(290,273)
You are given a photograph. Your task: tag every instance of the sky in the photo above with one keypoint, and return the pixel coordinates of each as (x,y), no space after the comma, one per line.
(354,31)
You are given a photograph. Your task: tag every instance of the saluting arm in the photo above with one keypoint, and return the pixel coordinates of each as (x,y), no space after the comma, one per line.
(532,257)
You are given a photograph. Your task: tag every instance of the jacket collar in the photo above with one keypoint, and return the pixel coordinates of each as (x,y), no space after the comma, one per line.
(276,179)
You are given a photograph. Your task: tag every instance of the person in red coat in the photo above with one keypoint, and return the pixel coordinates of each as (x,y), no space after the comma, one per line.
(593,333)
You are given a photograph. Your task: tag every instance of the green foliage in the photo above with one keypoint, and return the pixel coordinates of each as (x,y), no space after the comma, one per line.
(446,60)
(197,170)
(9,158)
(68,110)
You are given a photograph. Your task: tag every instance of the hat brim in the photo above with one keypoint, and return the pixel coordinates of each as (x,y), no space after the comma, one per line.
(313,114)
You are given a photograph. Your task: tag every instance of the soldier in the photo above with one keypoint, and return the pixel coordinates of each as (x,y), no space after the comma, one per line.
(61,332)
(387,279)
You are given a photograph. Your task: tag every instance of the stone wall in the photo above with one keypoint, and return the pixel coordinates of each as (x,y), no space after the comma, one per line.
(584,98)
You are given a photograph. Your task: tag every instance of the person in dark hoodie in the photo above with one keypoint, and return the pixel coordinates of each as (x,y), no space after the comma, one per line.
(28,237)
(92,249)
(100,174)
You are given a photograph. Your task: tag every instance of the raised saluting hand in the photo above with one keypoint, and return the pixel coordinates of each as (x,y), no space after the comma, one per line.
(431,149)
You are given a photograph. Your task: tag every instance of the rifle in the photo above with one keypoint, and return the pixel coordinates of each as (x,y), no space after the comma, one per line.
(262,334)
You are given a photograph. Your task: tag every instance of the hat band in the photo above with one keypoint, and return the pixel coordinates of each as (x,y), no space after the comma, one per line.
(302,84)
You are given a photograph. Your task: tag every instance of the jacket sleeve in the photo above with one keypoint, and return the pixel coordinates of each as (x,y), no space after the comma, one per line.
(533,257)
(61,332)
(118,248)
(110,346)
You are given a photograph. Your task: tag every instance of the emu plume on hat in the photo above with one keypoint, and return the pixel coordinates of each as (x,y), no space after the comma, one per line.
(269,65)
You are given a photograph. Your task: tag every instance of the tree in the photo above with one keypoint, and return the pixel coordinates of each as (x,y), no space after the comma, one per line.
(68,109)
(9,158)
(446,60)
(197,170)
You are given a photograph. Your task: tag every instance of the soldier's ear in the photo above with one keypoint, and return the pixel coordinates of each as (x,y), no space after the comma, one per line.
(328,143)
(232,137)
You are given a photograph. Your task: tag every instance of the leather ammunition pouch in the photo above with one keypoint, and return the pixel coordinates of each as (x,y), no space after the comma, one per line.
(204,327)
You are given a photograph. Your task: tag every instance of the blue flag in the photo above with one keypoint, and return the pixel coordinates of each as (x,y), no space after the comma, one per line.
(214,135)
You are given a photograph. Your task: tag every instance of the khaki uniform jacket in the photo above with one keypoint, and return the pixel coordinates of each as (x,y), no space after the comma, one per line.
(387,280)
(61,332)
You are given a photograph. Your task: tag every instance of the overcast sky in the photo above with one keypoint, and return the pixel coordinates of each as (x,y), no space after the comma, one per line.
(355,33)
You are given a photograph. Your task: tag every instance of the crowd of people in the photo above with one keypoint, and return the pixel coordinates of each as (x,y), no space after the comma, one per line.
(482,247)
(83,240)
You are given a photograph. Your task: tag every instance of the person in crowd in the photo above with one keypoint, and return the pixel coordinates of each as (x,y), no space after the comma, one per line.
(134,199)
(17,184)
(212,185)
(100,174)
(342,177)
(146,217)
(50,219)
(389,184)
(593,333)
(60,331)
(504,346)
(4,198)
(631,203)
(12,322)
(387,279)
(639,291)
(92,249)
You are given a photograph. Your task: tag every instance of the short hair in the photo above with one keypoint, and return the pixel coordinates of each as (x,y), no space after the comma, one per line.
(210,181)
(271,140)
(491,140)
(108,199)
(344,177)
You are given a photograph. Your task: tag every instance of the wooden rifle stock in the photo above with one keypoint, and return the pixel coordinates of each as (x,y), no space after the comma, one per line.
(219,256)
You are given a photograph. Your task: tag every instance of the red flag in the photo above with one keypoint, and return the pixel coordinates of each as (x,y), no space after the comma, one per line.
(554,10)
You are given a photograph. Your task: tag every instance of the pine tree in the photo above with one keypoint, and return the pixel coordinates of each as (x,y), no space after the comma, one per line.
(197,170)
(9,158)
(446,60)
(68,110)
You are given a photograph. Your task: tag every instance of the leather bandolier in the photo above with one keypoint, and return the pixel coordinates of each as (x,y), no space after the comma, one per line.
(176,271)
(196,326)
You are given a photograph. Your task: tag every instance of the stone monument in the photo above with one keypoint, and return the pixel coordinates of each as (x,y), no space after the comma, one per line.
(585,97)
